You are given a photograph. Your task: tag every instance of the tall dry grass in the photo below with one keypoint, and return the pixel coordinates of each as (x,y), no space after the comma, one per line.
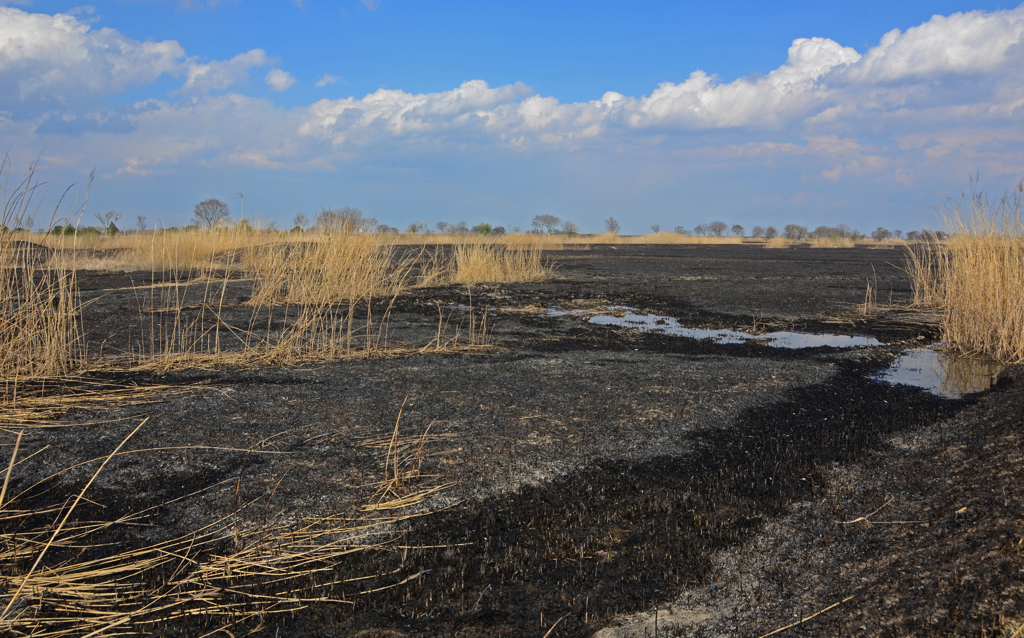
(479,262)
(40,332)
(976,275)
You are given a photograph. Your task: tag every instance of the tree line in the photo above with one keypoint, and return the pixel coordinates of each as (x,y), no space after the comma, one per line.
(212,213)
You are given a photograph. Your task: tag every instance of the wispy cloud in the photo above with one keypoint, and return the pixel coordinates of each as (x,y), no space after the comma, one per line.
(370,4)
(327,79)
(217,75)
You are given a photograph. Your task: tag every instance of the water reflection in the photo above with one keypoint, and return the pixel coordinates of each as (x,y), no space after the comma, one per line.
(629,318)
(940,373)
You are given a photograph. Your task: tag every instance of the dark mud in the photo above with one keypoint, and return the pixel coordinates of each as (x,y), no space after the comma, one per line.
(612,481)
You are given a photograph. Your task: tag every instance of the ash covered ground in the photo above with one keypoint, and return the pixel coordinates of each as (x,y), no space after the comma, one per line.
(612,481)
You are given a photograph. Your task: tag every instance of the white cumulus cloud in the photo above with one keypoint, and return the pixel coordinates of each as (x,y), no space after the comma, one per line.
(279,80)
(966,43)
(60,60)
(963,72)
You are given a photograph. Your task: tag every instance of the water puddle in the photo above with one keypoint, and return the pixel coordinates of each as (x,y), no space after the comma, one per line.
(628,318)
(931,369)
(941,374)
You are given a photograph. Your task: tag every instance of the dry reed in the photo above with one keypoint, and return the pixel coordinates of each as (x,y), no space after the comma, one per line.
(975,275)
(478,262)
(63,579)
(40,334)
(779,242)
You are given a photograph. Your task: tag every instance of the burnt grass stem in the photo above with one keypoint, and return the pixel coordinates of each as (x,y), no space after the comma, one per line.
(620,537)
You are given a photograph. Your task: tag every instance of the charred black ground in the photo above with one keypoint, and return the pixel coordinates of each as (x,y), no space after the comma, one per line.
(604,473)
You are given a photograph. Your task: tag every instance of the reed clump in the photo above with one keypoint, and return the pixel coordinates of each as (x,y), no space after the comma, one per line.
(976,275)
(478,262)
(40,331)
(832,242)
(779,242)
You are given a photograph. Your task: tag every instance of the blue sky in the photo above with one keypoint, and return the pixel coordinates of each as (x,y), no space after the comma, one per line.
(676,114)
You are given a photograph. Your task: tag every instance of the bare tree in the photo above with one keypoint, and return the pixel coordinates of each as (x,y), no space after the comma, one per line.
(570,228)
(770,232)
(442,227)
(757,232)
(462,228)
(681,230)
(140,223)
(794,231)
(881,233)
(717,228)
(301,221)
(209,213)
(612,226)
(656,228)
(347,219)
(700,230)
(737,230)
(108,222)
(546,222)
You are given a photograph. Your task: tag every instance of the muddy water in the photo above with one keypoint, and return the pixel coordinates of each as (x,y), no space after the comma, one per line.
(927,368)
(630,318)
(940,373)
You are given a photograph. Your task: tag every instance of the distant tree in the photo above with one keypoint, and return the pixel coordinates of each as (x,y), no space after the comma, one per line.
(415,228)
(757,232)
(498,230)
(898,234)
(384,229)
(656,228)
(459,229)
(442,227)
(483,229)
(794,231)
(737,230)
(347,219)
(547,223)
(681,230)
(913,235)
(881,233)
(515,230)
(612,226)
(106,221)
(301,222)
(717,228)
(570,228)
(845,231)
(770,232)
(700,230)
(140,223)
(209,213)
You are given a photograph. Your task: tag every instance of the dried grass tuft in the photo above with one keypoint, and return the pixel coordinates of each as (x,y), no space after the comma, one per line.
(976,275)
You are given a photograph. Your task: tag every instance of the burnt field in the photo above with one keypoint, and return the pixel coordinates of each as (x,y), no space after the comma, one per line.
(566,465)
